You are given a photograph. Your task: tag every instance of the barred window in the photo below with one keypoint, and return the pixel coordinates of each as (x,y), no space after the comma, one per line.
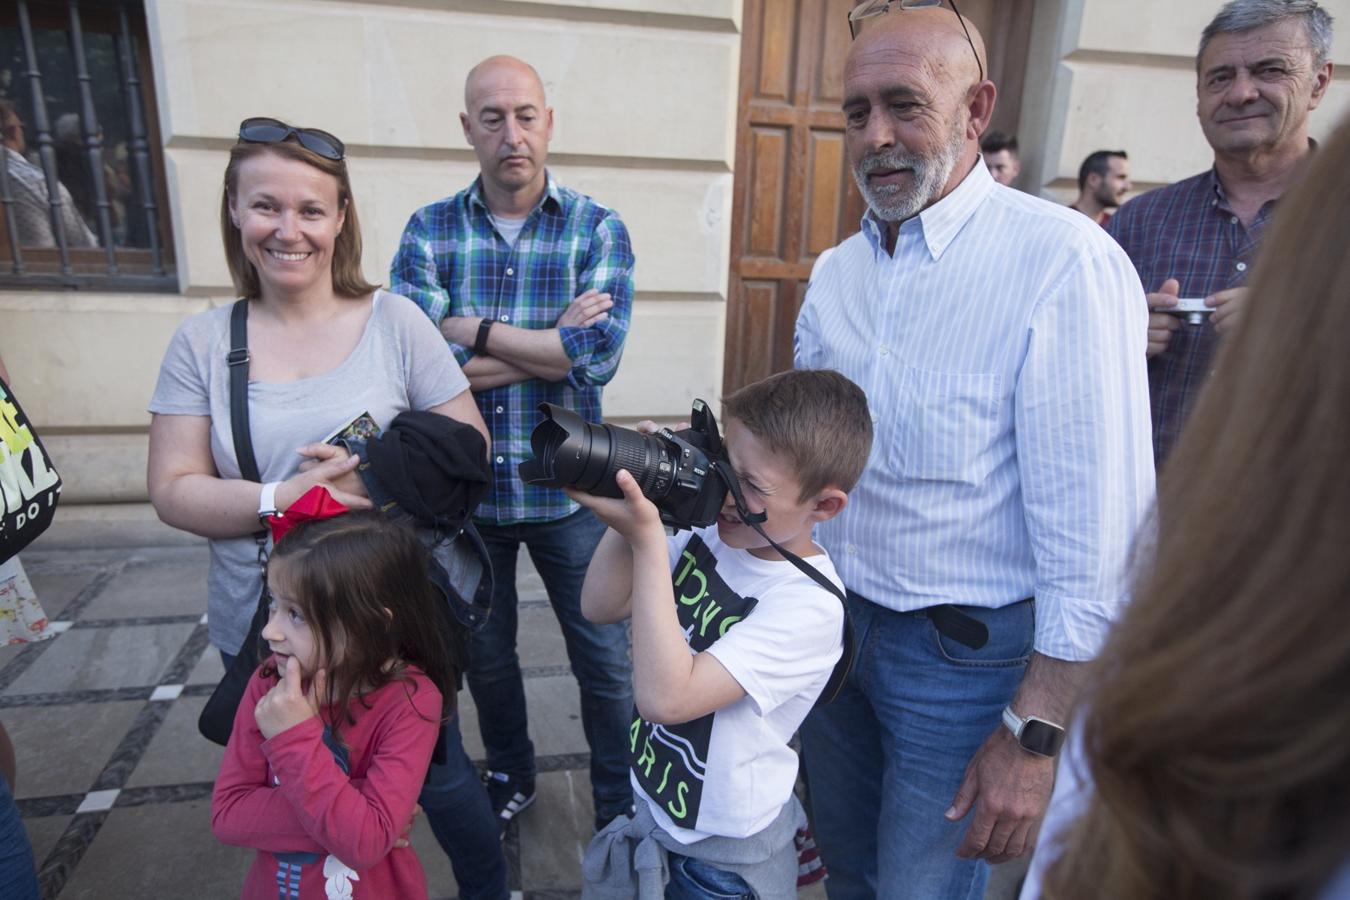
(81,168)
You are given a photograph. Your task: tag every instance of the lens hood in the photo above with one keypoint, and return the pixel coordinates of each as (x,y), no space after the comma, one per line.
(561,444)
(672,469)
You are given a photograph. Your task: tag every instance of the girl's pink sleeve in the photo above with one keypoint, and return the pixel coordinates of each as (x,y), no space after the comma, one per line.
(247,810)
(358,820)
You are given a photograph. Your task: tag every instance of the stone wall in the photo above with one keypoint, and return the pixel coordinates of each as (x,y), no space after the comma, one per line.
(644,93)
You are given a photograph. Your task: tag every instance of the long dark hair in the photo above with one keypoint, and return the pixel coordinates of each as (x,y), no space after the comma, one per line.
(347,278)
(360,580)
(1217,727)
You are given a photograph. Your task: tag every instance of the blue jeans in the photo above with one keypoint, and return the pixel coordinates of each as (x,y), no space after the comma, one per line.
(18,874)
(694,879)
(561,550)
(885,759)
(457,809)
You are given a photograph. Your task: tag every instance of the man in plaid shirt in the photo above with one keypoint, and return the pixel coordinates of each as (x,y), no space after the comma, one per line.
(531,284)
(1262,68)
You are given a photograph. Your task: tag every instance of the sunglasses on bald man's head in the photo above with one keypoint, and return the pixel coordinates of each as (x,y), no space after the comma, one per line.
(878,7)
(273,131)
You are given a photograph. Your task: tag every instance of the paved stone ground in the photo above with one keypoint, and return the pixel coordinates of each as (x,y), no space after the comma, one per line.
(114,782)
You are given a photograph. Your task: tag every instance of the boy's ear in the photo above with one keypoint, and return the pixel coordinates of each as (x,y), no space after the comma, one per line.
(828,504)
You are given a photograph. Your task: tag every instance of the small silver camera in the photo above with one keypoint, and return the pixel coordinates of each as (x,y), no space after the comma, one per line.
(1191,309)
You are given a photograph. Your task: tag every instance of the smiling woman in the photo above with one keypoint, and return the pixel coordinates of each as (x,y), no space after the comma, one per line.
(324,347)
(288,219)
(285,203)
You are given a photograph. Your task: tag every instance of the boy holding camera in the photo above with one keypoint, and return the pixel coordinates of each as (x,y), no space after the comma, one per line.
(732,645)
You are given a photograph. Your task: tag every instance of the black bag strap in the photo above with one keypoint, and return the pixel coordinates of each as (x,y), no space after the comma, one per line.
(217,716)
(845,664)
(237,360)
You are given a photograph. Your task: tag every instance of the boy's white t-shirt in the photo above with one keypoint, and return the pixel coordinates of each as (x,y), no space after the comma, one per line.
(779,634)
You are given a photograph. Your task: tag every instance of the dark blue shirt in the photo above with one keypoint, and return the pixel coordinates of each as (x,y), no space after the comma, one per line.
(1186,231)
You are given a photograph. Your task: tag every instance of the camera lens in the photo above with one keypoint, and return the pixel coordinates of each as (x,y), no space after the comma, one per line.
(570,451)
(642,455)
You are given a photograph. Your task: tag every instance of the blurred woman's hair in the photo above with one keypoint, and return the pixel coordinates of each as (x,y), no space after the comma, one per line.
(347,278)
(1217,723)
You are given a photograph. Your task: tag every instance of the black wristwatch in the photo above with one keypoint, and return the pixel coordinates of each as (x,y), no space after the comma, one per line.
(480,343)
(1034,735)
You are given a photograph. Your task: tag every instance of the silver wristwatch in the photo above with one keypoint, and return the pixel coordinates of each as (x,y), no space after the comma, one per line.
(1034,735)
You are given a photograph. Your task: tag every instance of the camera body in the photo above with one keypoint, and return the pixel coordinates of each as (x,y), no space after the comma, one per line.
(698,492)
(675,469)
(1192,309)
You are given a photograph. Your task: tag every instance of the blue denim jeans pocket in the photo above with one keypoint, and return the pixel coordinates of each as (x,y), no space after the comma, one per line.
(694,879)
(1012,634)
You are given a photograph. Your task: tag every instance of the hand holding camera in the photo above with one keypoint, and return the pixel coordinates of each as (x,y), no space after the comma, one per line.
(1167,311)
(1161,320)
(634,516)
(1227,307)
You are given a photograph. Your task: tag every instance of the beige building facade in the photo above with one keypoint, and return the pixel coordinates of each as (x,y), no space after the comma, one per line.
(645,94)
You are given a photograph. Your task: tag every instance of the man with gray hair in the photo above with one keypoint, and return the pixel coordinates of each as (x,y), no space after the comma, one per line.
(1262,68)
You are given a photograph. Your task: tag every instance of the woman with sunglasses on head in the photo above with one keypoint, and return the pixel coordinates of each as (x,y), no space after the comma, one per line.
(324,347)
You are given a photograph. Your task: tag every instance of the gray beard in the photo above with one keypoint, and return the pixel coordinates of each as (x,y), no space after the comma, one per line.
(892,203)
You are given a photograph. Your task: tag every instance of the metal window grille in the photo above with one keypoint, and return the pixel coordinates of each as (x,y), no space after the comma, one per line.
(81,168)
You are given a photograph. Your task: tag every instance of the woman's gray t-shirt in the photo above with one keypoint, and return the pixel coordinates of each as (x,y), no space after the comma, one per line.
(400,363)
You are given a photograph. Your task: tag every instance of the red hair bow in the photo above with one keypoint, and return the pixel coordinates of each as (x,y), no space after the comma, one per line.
(315,503)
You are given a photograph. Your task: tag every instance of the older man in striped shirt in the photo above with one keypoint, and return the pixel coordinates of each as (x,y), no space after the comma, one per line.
(1000,341)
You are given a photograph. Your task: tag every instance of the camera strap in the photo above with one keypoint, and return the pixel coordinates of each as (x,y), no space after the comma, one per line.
(755,521)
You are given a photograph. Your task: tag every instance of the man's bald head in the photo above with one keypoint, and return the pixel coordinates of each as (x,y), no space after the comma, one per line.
(508,125)
(490,72)
(914,109)
(932,35)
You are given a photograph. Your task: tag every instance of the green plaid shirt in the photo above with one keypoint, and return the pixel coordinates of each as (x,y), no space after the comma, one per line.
(452,261)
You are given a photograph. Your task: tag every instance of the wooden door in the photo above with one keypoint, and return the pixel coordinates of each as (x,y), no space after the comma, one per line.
(1006,27)
(794,194)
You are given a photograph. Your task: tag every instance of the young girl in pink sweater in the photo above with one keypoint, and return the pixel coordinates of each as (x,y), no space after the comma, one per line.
(332,738)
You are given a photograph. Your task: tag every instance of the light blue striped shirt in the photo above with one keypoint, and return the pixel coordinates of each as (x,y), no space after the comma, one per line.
(1001,348)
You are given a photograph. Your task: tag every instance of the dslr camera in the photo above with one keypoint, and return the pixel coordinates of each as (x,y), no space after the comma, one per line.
(681,472)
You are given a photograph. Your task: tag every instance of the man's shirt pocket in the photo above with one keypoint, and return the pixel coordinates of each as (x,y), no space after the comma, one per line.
(946,426)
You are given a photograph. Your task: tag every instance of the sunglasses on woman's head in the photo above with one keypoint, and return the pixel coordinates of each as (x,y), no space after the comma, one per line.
(274,131)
